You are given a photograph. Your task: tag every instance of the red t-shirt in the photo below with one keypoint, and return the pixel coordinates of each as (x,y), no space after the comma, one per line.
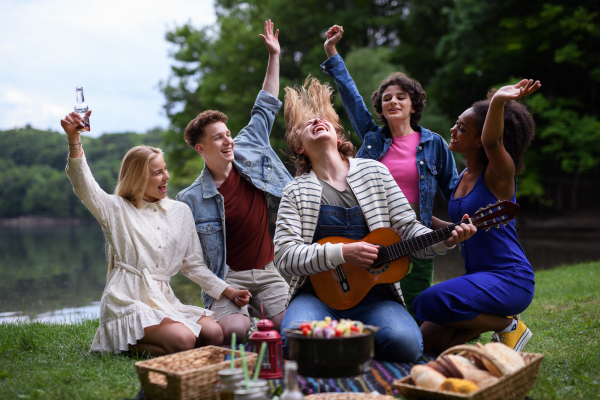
(248,242)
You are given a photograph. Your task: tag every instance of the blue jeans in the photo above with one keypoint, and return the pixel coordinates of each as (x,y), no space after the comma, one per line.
(398,339)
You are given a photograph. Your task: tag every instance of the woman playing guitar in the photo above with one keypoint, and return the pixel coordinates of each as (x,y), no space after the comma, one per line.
(499,282)
(334,194)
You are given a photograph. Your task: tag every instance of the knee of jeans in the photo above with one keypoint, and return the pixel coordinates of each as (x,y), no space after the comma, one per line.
(400,346)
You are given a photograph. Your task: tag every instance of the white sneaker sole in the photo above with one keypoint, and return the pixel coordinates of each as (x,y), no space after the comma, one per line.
(523,340)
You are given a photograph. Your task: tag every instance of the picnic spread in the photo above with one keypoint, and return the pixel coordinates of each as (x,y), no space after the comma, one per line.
(491,371)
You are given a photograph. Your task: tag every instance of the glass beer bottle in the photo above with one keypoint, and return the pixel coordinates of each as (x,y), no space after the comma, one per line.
(292,388)
(81,108)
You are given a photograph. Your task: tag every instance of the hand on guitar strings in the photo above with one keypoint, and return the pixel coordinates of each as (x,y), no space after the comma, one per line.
(360,254)
(461,233)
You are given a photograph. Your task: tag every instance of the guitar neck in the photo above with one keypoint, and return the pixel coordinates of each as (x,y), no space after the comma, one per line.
(404,248)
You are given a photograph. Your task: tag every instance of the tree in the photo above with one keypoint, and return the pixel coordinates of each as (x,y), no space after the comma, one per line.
(457,49)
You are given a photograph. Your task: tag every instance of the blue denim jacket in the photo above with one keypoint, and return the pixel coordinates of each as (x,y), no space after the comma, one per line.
(256,162)
(434,159)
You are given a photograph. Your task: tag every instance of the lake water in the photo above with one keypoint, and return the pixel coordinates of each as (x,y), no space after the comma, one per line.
(57,273)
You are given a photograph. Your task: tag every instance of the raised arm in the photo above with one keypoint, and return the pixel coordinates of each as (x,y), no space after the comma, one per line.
(360,117)
(501,164)
(85,186)
(70,124)
(271,83)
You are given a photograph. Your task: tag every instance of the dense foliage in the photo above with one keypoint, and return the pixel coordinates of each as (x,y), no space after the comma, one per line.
(458,49)
(33,179)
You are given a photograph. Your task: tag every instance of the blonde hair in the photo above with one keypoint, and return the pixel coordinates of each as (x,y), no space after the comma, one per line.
(133,180)
(312,100)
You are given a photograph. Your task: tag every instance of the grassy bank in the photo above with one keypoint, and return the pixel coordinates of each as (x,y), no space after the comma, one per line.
(41,361)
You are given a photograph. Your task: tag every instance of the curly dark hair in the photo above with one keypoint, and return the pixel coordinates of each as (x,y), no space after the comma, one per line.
(417,95)
(194,131)
(519,128)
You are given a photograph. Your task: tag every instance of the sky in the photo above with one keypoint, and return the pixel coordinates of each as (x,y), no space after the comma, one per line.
(114,49)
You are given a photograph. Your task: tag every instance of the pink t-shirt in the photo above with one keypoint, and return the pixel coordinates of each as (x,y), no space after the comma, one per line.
(401,160)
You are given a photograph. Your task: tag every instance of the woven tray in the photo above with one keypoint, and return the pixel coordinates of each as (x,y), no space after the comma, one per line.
(189,375)
(510,387)
(348,396)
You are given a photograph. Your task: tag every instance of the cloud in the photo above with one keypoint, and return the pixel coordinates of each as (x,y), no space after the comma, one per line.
(114,49)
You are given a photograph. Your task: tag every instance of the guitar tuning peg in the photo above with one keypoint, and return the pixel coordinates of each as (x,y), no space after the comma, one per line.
(487,229)
(480,208)
(499,208)
(489,205)
(497,226)
(499,201)
(506,223)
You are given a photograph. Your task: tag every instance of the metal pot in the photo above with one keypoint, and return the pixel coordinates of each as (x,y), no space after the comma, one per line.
(331,358)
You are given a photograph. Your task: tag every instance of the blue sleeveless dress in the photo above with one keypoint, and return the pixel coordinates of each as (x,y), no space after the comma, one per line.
(498,280)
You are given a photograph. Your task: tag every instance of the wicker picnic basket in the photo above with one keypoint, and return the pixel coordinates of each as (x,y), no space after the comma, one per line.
(187,375)
(348,396)
(513,386)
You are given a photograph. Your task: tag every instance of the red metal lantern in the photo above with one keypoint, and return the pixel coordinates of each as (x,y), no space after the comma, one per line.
(272,362)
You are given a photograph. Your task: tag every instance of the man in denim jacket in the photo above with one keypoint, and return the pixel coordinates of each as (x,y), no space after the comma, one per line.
(242,187)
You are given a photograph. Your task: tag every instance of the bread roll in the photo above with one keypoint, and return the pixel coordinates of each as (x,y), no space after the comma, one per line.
(470,372)
(509,358)
(426,377)
(458,385)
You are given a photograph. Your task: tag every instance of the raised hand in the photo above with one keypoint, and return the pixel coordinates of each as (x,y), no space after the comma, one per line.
(333,35)
(271,40)
(72,121)
(515,92)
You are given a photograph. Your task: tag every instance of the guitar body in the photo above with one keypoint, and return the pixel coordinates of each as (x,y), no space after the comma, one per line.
(359,281)
(346,285)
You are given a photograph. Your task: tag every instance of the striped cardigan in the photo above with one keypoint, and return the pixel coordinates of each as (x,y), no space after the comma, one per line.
(383,205)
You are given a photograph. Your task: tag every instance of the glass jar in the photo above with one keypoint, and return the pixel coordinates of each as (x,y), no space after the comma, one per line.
(227,380)
(254,393)
(260,384)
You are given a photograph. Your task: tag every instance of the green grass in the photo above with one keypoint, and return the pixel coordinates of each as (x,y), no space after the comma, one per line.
(565,320)
(42,361)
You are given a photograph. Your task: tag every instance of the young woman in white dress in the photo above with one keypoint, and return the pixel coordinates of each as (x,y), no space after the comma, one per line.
(151,238)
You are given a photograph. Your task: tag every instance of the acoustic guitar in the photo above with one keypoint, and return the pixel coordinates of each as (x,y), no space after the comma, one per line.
(346,285)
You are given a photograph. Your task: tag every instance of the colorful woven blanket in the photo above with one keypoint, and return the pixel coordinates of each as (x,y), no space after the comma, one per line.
(378,379)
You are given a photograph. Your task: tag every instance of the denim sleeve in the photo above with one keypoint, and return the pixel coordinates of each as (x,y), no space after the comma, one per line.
(448,175)
(360,117)
(262,117)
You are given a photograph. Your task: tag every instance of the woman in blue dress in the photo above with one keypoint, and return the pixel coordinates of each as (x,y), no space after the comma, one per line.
(499,282)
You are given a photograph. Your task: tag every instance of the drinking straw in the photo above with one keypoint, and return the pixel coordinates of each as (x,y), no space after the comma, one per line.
(263,347)
(245,367)
(232,349)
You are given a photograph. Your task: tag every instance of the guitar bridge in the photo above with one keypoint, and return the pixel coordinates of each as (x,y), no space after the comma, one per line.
(342,278)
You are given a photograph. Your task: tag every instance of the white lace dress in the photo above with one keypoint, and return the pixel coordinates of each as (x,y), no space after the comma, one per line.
(150,244)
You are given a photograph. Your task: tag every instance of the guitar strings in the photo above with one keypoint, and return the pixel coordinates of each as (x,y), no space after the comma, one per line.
(401,249)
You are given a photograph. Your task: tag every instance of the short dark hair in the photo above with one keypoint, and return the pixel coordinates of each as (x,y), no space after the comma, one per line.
(194,131)
(519,128)
(417,95)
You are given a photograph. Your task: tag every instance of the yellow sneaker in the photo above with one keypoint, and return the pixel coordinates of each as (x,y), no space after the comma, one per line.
(516,339)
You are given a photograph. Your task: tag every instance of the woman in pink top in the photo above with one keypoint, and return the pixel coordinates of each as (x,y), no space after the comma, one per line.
(418,159)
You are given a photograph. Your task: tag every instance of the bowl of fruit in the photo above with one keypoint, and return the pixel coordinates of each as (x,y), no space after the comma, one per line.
(331,348)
